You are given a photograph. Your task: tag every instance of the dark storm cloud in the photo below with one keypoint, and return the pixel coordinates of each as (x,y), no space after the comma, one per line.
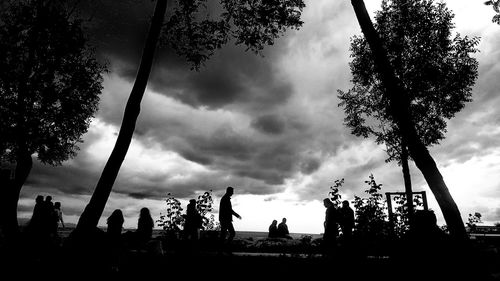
(269,124)
(232,80)
(63,178)
(310,166)
(232,76)
(80,175)
(235,154)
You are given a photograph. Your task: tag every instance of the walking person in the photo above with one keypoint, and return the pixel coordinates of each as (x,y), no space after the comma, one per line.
(226,214)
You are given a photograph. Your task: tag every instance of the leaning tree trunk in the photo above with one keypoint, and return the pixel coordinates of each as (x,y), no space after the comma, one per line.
(93,211)
(400,112)
(407,180)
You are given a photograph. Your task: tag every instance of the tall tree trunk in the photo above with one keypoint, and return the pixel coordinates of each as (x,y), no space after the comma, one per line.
(10,198)
(93,211)
(399,107)
(407,180)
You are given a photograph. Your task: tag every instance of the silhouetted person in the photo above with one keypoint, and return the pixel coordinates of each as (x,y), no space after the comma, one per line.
(145,226)
(282,230)
(226,214)
(346,221)
(273,229)
(193,221)
(59,213)
(35,224)
(114,239)
(48,217)
(57,217)
(331,227)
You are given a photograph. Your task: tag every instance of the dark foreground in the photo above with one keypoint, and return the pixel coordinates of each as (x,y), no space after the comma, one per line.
(478,263)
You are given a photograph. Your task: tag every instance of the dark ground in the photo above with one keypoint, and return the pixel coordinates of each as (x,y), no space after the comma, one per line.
(480,262)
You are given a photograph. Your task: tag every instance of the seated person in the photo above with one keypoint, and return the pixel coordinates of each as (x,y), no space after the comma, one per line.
(273,229)
(283,230)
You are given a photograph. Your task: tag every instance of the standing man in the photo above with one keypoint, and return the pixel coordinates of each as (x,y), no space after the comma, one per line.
(331,228)
(226,213)
(346,221)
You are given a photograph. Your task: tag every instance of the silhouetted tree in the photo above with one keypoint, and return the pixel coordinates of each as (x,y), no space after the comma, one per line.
(334,194)
(496,7)
(193,34)
(398,100)
(172,220)
(435,68)
(50,83)
(371,218)
(204,206)
(473,220)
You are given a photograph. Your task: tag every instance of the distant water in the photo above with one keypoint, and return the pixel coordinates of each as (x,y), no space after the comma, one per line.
(255,235)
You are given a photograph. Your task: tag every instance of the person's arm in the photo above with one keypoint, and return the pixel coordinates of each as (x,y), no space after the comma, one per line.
(61,218)
(236,214)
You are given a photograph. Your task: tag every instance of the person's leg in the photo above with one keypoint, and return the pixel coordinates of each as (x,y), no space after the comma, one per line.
(232,233)
(222,237)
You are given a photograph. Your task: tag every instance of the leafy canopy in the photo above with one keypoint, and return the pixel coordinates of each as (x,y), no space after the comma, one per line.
(193,32)
(436,70)
(50,81)
(496,7)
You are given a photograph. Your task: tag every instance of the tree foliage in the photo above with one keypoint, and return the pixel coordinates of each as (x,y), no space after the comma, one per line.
(172,220)
(334,194)
(204,206)
(436,70)
(496,7)
(473,220)
(371,217)
(49,84)
(194,34)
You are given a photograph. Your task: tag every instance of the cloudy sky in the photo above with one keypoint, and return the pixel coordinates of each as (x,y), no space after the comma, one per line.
(267,125)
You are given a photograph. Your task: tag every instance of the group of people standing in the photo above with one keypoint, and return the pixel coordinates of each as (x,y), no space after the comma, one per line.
(335,217)
(46,217)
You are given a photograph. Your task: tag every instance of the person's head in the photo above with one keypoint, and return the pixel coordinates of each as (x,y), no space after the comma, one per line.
(192,201)
(274,222)
(145,212)
(424,219)
(230,190)
(283,220)
(39,199)
(345,203)
(48,198)
(327,202)
(116,217)
(57,205)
